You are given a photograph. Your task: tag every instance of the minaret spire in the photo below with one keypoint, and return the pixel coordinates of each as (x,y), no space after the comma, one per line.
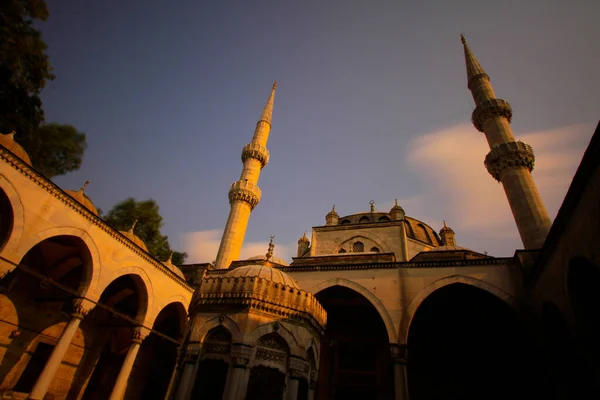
(509,162)
(245,194)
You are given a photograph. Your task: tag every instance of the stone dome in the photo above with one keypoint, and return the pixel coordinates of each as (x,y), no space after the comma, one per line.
(83,199)
(262,271)
(174,268)
(8,141)
(135,239)
(273,259)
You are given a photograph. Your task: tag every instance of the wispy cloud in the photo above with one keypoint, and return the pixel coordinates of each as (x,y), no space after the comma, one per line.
(459,189)
(202,246)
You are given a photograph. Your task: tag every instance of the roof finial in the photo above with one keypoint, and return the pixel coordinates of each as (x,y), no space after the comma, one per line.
(462,39)
(271,247)
(133,225)
(474,69)
(170,257)
(84,186)
(372,203)
(333,208)
(396,202)
(11,134)
(267,113)
(274,85)
(304,236)
(445,224)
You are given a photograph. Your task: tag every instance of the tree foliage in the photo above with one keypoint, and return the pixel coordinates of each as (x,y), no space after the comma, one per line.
(149,221)
(24,71)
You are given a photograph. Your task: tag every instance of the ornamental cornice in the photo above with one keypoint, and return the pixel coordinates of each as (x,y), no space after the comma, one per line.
(489,109)
(58,193)
(245,191)
(399,265)
(257,152)
(509,156)
(262,295)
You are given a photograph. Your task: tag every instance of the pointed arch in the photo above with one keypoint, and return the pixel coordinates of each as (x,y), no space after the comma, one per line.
(18,219)
(369,236)
(220,320)
(374,300)
(281,330)
(414,304)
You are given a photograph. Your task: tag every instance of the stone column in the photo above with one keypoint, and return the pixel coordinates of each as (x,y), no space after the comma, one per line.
(297,369)
(237,380)
(312,384)
(80,309)
(190,359)
(398,353)
(118,391)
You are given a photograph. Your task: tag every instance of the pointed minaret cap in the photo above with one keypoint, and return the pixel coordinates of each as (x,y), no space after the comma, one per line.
(474,69)
(267,113)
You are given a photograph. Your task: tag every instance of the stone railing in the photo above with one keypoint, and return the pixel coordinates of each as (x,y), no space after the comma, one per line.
(245,191)
(509,155)
(256,151)
(489,109)
(262,294)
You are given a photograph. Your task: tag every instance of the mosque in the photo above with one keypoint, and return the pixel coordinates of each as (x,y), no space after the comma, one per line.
(375,305)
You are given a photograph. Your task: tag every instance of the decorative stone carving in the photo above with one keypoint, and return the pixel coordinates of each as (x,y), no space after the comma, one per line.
(274,356)
(80,308)
(256,151)
(489,109)
(398,353)
(245,191)
(509,155)
(298,368)
(240,355)
(192,352)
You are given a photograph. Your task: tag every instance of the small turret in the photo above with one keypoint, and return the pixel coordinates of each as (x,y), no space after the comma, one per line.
(303,245)
(447,236)
(397,212)
(332,218)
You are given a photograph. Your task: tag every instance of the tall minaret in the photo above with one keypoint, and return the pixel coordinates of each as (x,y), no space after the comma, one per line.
(244,194)
(509,162)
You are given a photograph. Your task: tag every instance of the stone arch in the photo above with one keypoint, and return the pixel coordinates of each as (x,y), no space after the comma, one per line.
(370,236)
(281,330)
(220,320)
(145,315)
(18,219)
(91,271)
(180,310)
(383,313)
(429,289)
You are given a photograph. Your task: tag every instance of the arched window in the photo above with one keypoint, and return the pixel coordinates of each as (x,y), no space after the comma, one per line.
(358,247)
(364,220)
(384,218)
(375,249)
(345,222)
(341,251)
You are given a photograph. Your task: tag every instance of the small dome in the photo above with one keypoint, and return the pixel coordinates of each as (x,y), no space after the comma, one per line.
(8,141)
(272,259)
(82,198)
(134,238)
(169,264)
(303,239)
(332,213)
(262,271)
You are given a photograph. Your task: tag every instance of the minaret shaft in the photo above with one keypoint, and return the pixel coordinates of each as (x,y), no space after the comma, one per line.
(245,194)
(509,162)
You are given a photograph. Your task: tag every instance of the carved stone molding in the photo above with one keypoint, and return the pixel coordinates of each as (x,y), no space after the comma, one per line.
(398,353)
(256,151)
(80,307)
(192,352)
(489,109)
(274,356)
(508,156)
(245,191)
(298,368)
(240,355)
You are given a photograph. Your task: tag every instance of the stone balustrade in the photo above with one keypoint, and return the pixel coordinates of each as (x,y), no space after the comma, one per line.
(245,191)
(509,155)
(256,151)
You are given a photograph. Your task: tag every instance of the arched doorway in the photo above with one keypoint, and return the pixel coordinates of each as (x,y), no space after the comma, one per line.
(214,365)
(583,281)
(465,343)
(6,219)
(121,307)
(158,353)
(355,351)
(37,296)
(267,375)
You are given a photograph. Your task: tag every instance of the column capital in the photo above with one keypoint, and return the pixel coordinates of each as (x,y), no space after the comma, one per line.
(298,367)
(80,307)
(241,354)
(139,334)
(192,352)
(398,353)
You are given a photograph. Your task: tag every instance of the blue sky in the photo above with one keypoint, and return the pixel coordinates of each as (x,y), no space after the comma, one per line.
(168,93)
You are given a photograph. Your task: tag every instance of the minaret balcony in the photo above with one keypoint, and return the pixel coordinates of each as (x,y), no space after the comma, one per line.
(245,191)
(509,155)
(490,109)
(257,152)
